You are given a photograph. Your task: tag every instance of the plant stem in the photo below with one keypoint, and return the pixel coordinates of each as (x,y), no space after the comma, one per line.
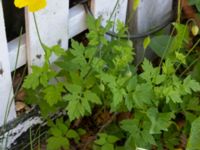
(14,74)
(195,45)
(167,47)
(179,12)
(30,138)
(190,66)
(37,30)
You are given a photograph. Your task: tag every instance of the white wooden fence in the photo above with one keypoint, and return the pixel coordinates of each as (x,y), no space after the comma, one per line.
(56,23)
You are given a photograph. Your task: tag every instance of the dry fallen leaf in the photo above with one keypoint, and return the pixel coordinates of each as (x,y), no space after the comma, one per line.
(20,95)
(19,106)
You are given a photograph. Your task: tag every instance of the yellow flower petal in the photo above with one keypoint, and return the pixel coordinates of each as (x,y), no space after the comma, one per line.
(35,5)
(21,3)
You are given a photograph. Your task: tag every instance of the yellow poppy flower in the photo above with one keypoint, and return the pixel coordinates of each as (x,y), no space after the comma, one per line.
(33,5)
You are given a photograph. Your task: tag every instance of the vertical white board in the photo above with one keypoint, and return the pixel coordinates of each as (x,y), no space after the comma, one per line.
(6,91)
(77,20)
(149,14)
(105,8)
(53,27)
(13,50)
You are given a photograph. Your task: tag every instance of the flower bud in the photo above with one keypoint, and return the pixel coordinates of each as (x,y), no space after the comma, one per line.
(195,30)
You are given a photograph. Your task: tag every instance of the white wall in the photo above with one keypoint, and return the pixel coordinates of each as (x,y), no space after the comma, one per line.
(149,14)
(6,91)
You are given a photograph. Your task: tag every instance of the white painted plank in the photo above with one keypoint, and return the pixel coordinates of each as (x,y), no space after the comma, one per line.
(105,8)
(53,27)
(77,24)
(13,49)
(149,14)
(21,128)
(152,13)
(77,20)
(6,91)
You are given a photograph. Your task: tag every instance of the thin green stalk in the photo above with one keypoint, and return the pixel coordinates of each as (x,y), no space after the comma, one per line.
(15,94)
(10,100)
(39,145)
(195,45)
(142,58)
(187,24)
(168,44)
(194,61)
(37,30)
(14,74)
(99,49)
(30,138)
(18,50)
(33,140)
(178,20)
(113,11)
(89,71)
(179,12)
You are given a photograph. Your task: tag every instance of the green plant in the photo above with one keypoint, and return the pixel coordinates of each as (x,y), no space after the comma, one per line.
(196,3)
(61,135)
(105,142)
(102,74)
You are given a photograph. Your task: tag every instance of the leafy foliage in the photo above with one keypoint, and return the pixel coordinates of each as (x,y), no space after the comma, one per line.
(102,74)
(138,132)
(105,142)
(196,3)
(193,143)
(61,134)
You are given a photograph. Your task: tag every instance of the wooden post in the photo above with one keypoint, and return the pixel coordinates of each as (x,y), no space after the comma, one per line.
(149,14)
(53,28)
(6,91)
(107,7)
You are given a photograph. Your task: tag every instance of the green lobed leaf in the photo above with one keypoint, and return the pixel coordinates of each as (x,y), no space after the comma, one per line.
(106,141)
(196,71)
(102,139)
(180,57)
(53,93)
(73,88)
(146,42)
(55,132)
(193,142)
(112,139)
(73,110)
(143,95)
(107,146)
(181,37)
(56,143)
(138,129)
(159,121)
(72,134)
(160,45)
(168,67)
(32,81)
(190,85)
(92,97)
(58,50)
(132,83)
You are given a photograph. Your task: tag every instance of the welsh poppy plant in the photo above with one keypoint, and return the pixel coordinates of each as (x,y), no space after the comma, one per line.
(33,5)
